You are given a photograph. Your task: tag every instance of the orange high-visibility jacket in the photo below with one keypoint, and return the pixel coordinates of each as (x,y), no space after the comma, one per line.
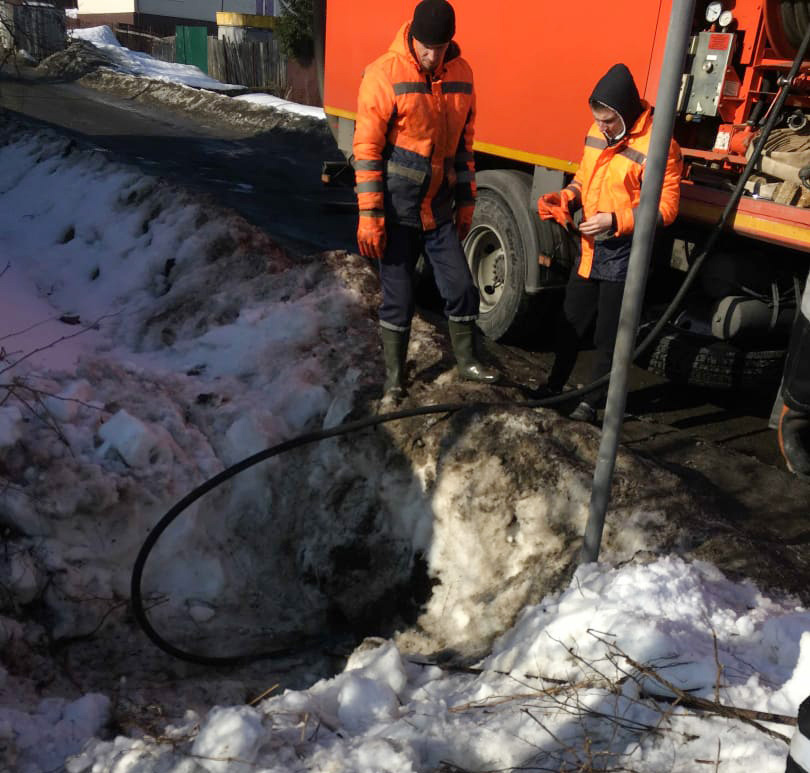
(609,180)
(413,137)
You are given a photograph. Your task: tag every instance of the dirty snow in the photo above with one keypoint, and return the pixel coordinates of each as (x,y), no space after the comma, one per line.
(149,340)
(268,100)
(137,63)
(143,65)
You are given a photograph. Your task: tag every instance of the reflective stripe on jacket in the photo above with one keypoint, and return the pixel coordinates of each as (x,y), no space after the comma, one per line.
(413,137)
(609,180)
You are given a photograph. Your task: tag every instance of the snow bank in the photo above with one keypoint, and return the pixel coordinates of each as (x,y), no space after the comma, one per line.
(144,65)
(194,340)
(556,692)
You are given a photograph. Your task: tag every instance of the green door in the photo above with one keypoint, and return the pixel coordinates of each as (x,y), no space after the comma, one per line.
(191,46)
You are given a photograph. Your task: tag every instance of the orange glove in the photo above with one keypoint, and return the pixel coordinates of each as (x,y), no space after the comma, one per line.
(371,237)
(464,216)
(554,206)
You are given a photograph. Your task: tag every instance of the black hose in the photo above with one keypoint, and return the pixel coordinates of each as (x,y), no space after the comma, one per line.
(138,609)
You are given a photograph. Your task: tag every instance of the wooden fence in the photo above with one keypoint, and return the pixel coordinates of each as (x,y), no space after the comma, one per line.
(254,64)
(37,29)
(160,48)
(257,64)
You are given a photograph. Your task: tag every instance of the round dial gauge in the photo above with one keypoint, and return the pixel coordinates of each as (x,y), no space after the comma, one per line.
(713,11)
(725,18)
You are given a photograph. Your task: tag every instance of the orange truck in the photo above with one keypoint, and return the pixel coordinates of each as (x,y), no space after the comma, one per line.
(535,64)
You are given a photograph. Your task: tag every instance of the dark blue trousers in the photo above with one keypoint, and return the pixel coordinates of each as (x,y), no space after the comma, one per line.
(442,249)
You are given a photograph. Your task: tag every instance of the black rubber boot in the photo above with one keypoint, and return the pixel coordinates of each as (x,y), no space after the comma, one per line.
(462,337)
(395,352)
(794,441)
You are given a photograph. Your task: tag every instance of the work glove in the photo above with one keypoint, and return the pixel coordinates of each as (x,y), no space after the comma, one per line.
(464,216)
(371,237)
(554,206)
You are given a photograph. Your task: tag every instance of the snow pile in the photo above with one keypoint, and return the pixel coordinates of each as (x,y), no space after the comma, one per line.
(557,693)
(149,340)
(168,374)
(137,63)
(41,740)
(268,100)
(97,58)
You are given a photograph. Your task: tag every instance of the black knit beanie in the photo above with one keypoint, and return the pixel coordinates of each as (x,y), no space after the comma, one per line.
(434,22)
(617,90)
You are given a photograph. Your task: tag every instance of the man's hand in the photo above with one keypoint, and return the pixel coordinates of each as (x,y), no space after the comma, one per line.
(464,216)
(371,237)
(599,223)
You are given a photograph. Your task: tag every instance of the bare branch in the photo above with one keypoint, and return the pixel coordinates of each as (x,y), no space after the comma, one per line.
(748,716)
(90,326)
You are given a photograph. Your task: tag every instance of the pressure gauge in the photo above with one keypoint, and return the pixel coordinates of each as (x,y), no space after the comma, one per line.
(725,18)
(713,11)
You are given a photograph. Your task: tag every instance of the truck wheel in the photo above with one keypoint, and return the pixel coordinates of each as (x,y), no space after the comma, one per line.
(501,241)
(699,361)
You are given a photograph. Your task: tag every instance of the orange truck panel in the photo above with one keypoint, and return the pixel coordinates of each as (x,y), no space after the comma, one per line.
(535,64)
(532,93)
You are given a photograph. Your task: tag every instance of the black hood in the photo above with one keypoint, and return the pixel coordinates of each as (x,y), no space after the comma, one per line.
(617,90)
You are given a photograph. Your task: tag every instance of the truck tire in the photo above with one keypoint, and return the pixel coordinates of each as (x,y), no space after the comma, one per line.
(502,240)
(699,361)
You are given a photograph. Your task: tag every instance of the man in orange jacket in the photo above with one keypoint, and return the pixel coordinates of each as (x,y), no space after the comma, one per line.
(415,174)
(607,187)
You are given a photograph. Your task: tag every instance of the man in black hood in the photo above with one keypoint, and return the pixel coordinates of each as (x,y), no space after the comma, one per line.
(617,92)
(607,187)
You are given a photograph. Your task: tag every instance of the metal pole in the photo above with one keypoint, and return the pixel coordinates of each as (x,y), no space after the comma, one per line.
(680,27)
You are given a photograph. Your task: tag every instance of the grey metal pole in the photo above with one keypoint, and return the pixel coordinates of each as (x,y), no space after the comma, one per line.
(680,27)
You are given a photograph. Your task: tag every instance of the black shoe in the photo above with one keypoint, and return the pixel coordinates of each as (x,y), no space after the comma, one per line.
(583,412)
(543,392)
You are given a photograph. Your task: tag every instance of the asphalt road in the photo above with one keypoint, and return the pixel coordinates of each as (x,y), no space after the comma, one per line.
(273,178)
(719,441)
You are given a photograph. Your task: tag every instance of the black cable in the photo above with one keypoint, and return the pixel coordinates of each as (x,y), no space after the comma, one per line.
(138,609)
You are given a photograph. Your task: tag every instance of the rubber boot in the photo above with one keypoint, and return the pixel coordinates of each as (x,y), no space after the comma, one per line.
(395,351)
(794,441)
(462,337)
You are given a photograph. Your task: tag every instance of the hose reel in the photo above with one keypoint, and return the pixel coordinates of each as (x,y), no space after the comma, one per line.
(786,22)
